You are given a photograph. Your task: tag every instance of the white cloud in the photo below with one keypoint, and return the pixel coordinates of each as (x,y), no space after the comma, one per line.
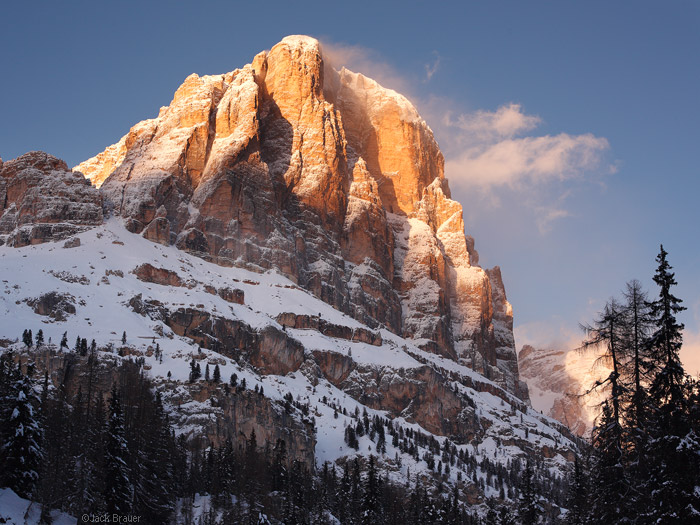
(487,152)
(431,69)
(506,122)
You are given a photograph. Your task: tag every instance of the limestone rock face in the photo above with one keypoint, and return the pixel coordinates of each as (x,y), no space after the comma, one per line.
(326,177)
(557,379)
(42,200)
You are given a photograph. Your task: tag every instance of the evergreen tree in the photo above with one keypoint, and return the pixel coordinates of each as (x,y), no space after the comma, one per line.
(217,374)
(371,504)
(22,455)
(609,490)
(118,488)
(528,506)
(64,341)
(673,446)
(206,373)
(578,496)
(155,494)
(8,376)
(124,337)
(27,338)
(40,338)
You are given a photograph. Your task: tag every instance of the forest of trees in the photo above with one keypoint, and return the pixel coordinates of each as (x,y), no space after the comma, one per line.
(95,451)
(645,461)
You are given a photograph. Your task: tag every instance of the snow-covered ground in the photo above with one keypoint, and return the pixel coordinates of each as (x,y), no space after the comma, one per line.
(19,511)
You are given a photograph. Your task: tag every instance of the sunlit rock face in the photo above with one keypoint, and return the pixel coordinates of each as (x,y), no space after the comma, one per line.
(42,200)
(557,380)
(327,177)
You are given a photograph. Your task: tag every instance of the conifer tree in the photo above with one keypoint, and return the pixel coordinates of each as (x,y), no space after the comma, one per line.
(27,338)
(609,489)
(118,488)
(673,447)
(21,454)
(39,338)
(528,506)
(64,341)
(217,374)
(578,496)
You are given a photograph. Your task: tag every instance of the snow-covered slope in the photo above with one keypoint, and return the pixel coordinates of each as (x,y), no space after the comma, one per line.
(340,374)
(19,511)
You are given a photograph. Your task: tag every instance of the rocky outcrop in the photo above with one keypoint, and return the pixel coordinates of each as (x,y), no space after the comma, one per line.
(419,395)
(41,200)
(314,322)
(55,305)
(327,177)
(148,273)
(557,380)
(235,414)
(231,295)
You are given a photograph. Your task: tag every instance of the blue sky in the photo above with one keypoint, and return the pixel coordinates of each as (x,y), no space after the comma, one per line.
(570,129)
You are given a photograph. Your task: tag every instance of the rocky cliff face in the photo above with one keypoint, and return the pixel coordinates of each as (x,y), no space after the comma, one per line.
(558,379)
(327,177)
(42,200)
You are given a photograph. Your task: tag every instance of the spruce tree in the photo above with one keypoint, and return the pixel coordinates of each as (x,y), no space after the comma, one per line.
(609,490)
(22,455)
(578,496)
(118,488)
(528,506)
(371,504)
(673,446)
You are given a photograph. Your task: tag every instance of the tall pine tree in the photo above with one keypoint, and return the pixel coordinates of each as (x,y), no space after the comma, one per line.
(21,454)
(118,488)
(673,448)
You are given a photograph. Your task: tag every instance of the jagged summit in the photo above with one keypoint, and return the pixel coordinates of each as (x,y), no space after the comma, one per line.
(326,176)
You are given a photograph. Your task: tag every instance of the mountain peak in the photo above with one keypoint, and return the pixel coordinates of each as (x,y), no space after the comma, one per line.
(299,41)
(327,177)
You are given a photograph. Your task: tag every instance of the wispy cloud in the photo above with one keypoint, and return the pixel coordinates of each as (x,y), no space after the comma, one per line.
(487,150)
(546,217)
(506,122)
(431,69)
(360,59)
